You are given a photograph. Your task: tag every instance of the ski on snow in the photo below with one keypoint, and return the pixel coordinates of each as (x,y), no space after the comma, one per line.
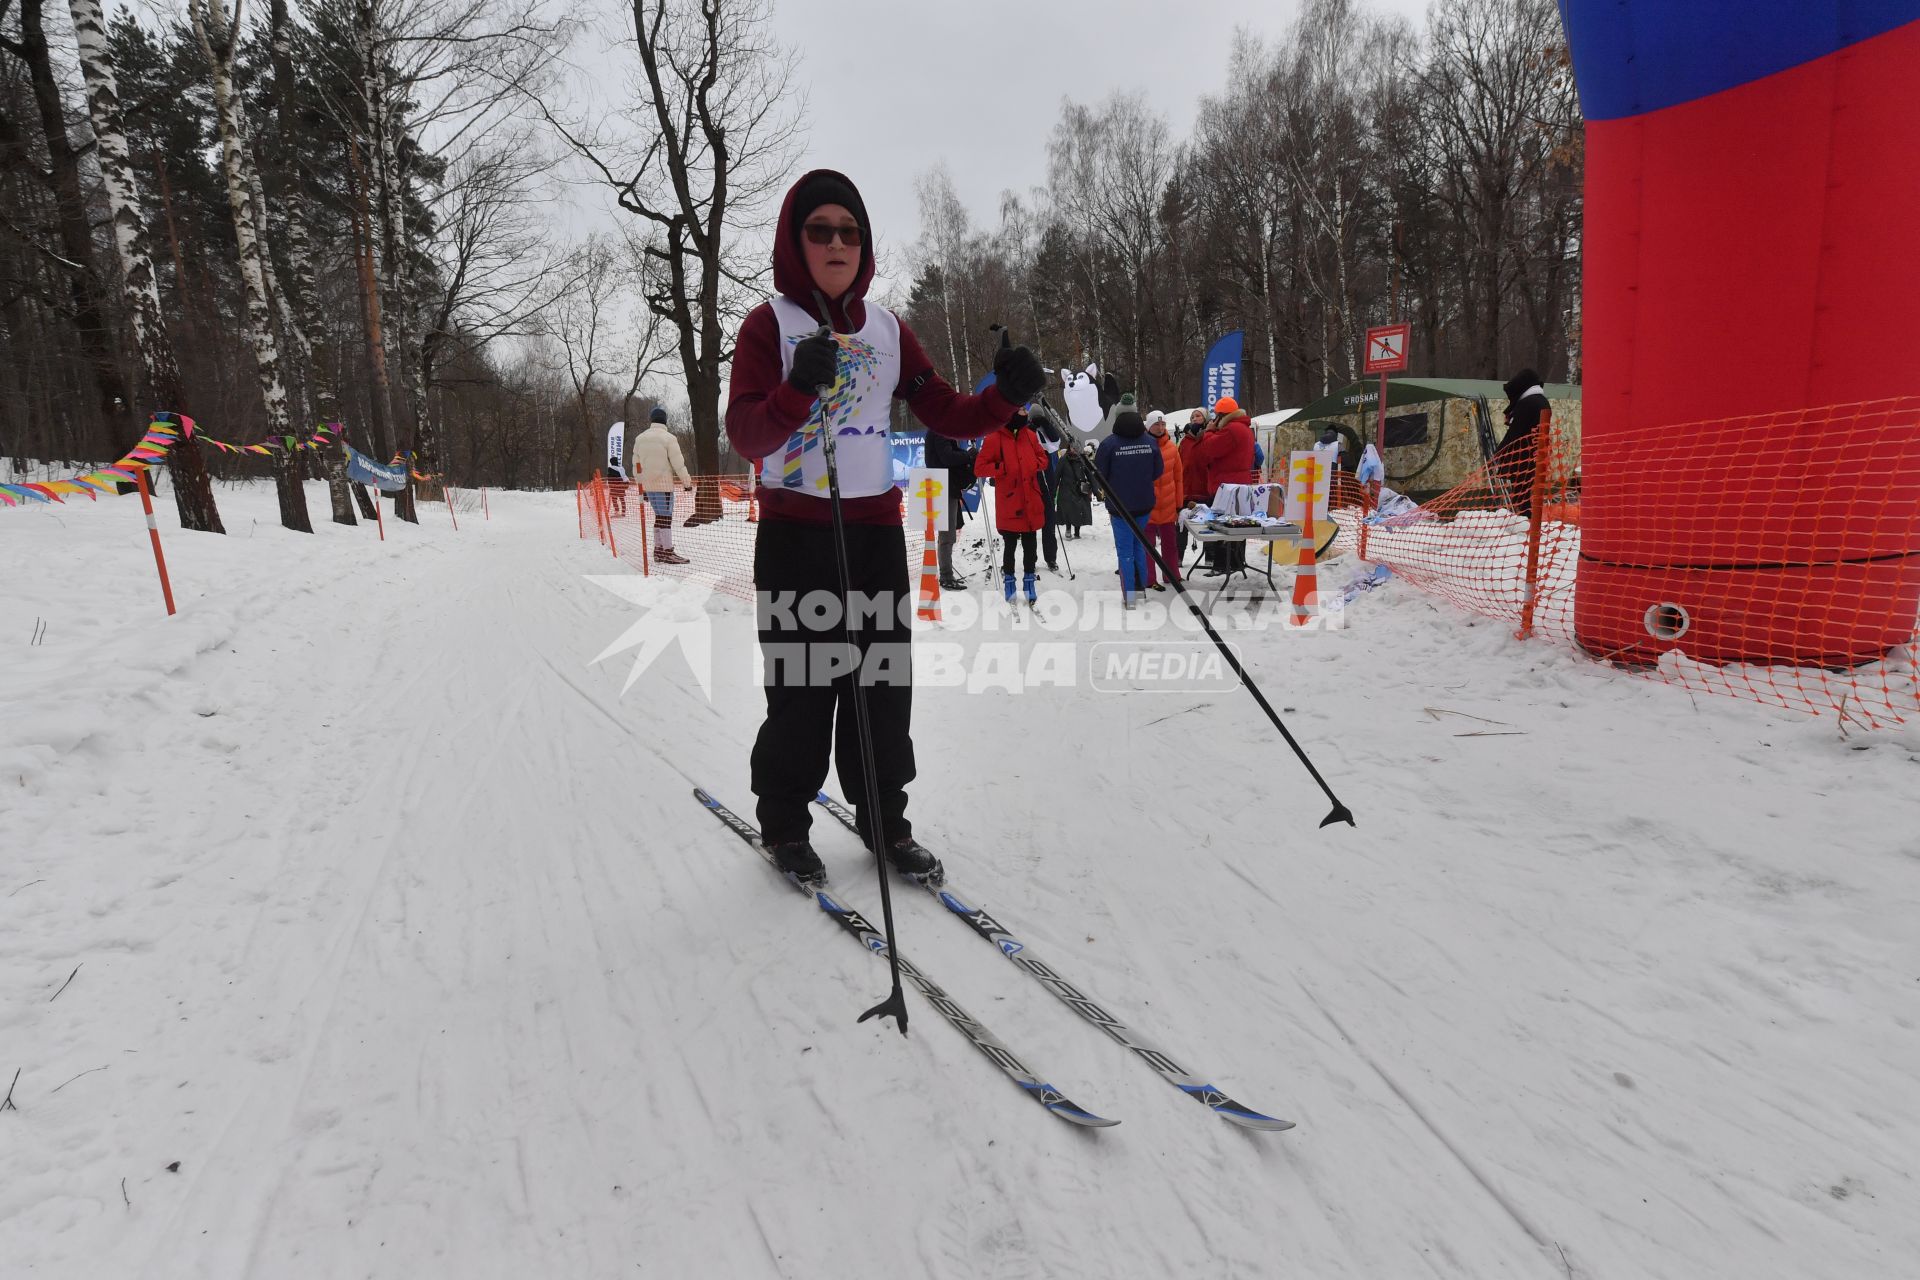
(872,939)
(1209,1095)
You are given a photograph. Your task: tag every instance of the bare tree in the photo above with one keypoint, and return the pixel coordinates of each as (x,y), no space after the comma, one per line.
(192,492)
(215,30)
(1503,108)
(945,230)
(583,325)
(1107,171)
(699,158)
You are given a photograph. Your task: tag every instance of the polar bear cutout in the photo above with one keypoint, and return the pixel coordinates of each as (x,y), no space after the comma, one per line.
(1082,391)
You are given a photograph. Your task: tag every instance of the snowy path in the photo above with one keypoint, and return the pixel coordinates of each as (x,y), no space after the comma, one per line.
(399,930)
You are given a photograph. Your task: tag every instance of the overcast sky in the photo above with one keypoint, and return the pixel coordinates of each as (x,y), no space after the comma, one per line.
(894,86)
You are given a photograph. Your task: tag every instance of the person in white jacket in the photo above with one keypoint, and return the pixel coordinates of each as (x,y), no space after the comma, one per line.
(659,465)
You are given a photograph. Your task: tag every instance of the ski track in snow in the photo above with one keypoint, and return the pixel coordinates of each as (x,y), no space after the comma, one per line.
(398,928)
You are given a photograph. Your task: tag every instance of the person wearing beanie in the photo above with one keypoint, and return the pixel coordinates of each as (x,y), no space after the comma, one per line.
(1016,461)
(818,357)
(1227,453)
(1164,524)
(1130,463)
(659,465)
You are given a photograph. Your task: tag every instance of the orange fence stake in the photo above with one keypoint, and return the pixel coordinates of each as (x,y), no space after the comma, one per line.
(446,492)
(153,532)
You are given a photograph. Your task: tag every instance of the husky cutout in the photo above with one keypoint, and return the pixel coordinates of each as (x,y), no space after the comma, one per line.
(1082,392)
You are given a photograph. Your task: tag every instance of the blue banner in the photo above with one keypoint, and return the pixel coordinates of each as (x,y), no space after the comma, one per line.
(1222,377)
(908,452)
(364,470)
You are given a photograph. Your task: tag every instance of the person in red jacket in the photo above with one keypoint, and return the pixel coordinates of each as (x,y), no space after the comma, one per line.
(1227,450)
(1228,446)
(1014,459)
(1193,466)
(1193,470)
(818,357)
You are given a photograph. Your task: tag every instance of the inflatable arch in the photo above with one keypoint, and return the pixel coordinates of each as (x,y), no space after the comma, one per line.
(1752,246)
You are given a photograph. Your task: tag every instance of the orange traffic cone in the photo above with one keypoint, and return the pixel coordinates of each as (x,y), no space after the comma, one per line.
(1306,577)
(929,605)
(1306,585)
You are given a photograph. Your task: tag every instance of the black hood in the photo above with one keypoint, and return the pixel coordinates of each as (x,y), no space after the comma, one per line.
(1129,425)
(1517,385)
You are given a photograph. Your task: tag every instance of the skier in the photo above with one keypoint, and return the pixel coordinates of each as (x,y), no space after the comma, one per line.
(658,464)
(1130,464)
(1016,462)
(1162,525)
(819,331)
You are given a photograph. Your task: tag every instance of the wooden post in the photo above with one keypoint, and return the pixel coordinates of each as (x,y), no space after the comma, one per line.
(153,532)
(446,492)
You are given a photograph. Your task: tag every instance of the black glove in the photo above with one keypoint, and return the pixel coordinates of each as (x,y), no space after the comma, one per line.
(816,363)
(1017,373)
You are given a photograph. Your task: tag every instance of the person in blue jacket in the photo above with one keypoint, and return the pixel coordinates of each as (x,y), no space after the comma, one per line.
(1129,461)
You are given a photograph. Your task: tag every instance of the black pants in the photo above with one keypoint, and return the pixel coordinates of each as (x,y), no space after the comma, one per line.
(1008,542)
(810,715)
(1049,537)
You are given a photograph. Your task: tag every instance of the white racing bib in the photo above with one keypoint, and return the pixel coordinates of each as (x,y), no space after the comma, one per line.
(858,409)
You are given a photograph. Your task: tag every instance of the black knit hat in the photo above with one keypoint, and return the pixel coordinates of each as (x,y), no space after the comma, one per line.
(658,415)
(825,188)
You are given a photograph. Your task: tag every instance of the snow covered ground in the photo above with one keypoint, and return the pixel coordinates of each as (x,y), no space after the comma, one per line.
(394,945)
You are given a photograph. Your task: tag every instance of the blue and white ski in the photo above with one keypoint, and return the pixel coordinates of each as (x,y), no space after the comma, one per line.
(875,941)
(1209,1095)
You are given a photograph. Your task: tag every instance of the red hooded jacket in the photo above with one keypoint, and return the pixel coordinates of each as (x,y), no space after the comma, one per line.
(1228,451)
(1015,459)
(763,410)
(1193,470)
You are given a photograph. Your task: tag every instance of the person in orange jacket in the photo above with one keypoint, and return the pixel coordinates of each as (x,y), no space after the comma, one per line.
(1169,492)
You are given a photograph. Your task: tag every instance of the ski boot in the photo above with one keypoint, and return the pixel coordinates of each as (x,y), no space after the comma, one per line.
(1030,587)
(916,862)
(1007,582)
(800,864)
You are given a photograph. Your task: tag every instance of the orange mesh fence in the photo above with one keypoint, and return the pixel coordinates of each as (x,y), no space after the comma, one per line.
(1774,558)
(712,529)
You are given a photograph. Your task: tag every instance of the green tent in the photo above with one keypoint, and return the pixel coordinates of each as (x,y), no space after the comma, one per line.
(1461,426)
(1364,395)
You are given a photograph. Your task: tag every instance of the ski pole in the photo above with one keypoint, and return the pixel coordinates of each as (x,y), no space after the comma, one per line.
(895,1004)
(1340,812)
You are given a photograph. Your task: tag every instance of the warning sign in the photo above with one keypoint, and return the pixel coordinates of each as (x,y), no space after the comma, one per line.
(1386,349)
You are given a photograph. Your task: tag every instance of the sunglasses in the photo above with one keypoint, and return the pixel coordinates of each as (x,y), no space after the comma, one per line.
(821,233)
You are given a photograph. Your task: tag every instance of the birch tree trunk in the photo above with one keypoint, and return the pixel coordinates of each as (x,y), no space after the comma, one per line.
(295,302)
(215,32)
(192,491)
(76,236)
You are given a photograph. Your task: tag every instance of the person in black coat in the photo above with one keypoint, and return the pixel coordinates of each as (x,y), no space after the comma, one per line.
(1073,498)
(1528,417)
(957,458)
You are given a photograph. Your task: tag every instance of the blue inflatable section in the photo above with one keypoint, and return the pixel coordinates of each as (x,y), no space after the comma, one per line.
(1630,58)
